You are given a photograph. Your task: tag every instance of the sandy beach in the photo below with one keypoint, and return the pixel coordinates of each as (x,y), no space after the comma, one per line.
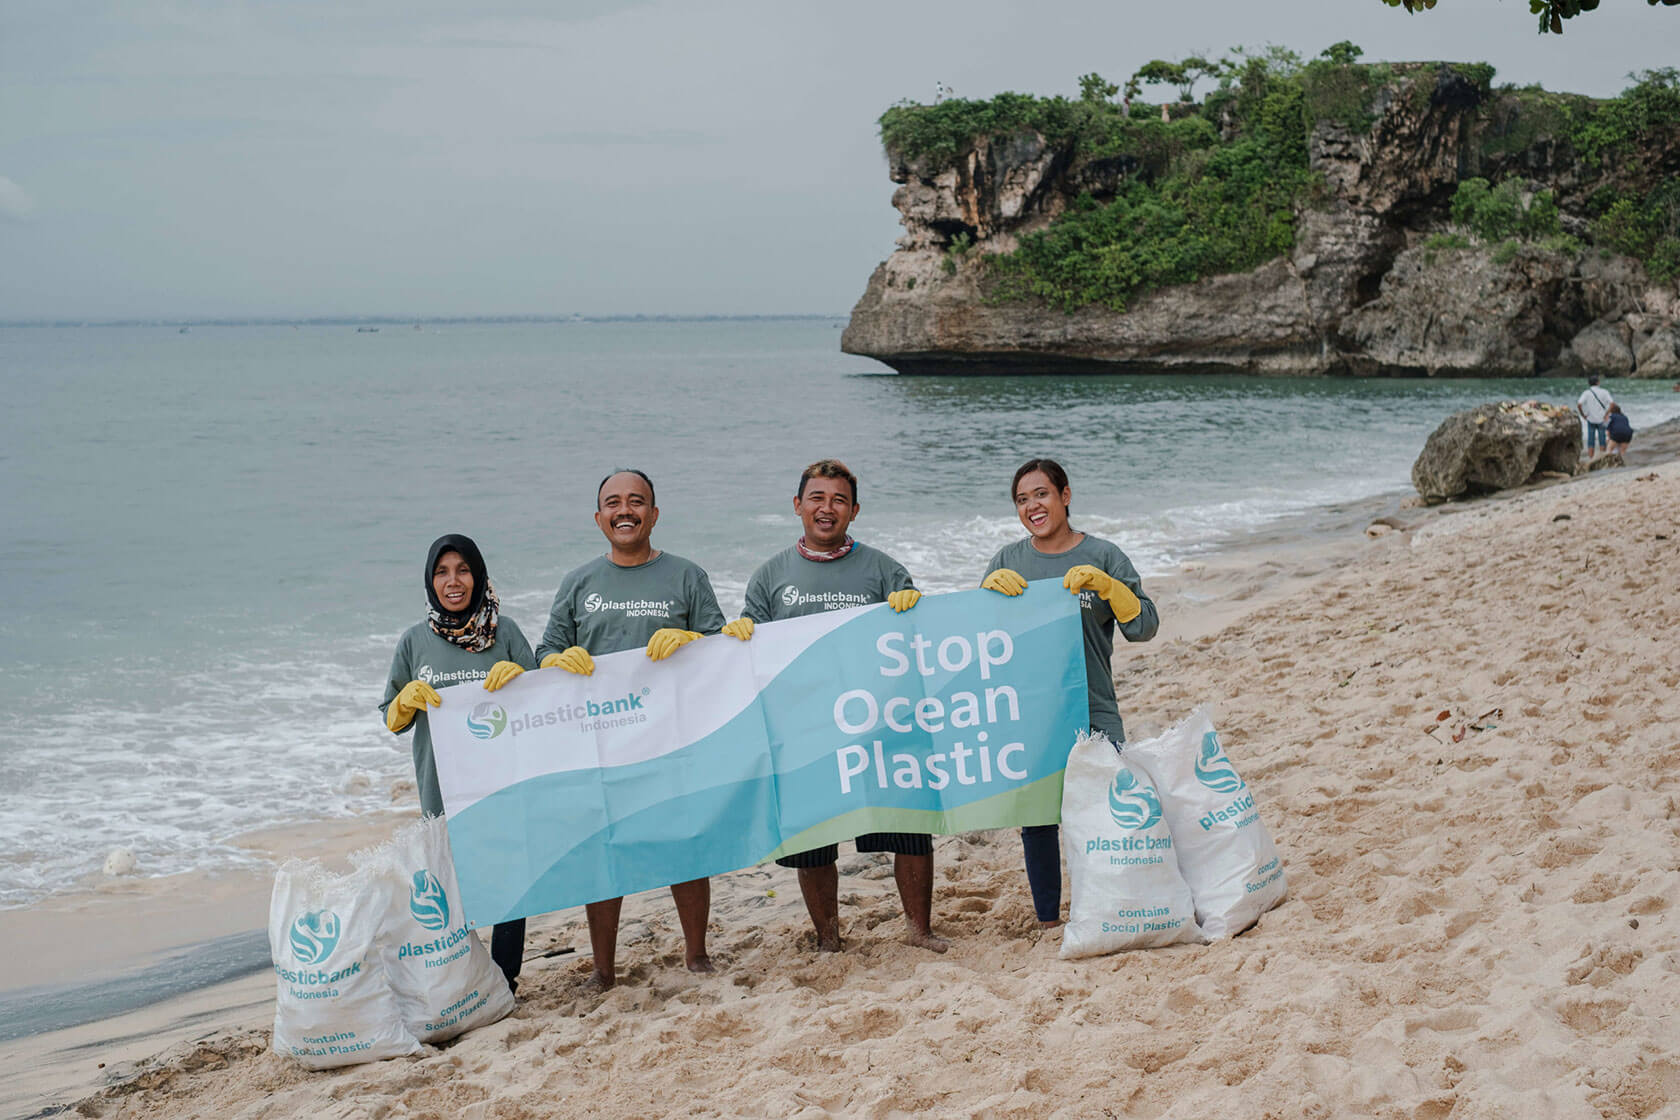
(1462,735)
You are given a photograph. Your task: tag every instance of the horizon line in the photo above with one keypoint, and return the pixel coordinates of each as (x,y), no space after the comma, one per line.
(399,320)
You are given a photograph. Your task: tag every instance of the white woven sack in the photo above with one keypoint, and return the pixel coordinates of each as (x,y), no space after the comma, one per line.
(443,976)
(335,1005)
(1127,890)
(1227,855)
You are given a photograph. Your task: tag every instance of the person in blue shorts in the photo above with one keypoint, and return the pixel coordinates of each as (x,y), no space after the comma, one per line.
(1617,427)
(1111,596)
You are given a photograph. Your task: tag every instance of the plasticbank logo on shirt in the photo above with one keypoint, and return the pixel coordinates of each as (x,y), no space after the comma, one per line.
(1132,804)
(595,602)
(314,936)
(431,676)
(487,720)
(427,902)
(1213,769)
(829,600)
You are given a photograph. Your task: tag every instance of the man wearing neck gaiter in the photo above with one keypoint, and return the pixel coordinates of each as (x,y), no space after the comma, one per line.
(826,570)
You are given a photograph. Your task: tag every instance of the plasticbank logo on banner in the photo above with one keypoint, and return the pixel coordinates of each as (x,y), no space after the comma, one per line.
(427,902)
(487,720)
(314,936)
(1213,769)
(586,715)
(1132,804)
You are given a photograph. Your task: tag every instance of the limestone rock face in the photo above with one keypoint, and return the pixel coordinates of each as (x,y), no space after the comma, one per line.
(1495,447)
(1660,355)
(1360,293)
(1603,348)
(1416,144)
(1456,312)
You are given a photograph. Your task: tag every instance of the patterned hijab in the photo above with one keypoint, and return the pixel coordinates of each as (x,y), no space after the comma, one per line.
(475,628)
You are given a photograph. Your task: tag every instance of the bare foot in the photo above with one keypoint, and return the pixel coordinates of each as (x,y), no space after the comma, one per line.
(701,964)
(927,939)
(829,944)
(598,982)
(1050,925)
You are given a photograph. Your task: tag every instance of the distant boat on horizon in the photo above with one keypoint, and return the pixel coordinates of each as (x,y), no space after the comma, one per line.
(367,330)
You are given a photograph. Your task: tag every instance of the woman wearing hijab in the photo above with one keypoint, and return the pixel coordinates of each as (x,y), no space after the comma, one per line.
(462,639)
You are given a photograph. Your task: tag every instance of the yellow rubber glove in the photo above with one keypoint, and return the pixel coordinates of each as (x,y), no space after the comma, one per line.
(1120,598)
(573,659)
(741,628)
(416,696)
(1005,581)
(902,601)
(500,674)
(668,641)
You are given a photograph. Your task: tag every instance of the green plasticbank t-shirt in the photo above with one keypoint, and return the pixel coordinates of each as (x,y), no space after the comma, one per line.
(605,608)
(789,586)
(1096,617)
(423,656)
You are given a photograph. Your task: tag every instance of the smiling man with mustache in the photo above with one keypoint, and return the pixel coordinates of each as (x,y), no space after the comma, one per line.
(633,597)
(826,570)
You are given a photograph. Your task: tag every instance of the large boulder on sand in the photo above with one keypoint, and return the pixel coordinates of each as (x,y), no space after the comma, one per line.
(1495,447)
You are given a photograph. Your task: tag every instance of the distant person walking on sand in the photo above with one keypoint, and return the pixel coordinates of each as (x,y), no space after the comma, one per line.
(1617,427)
(463,639)
(1110,596)
(1593,405)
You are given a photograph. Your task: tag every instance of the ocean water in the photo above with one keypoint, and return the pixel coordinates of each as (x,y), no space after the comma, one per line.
(213,539)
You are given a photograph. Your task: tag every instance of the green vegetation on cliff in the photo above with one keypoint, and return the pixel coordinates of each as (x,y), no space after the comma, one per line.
(1201,205)
(1635,209)
(1215,188)
(1217,185)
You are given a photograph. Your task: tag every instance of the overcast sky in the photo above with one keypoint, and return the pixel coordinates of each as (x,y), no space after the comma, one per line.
(186,159)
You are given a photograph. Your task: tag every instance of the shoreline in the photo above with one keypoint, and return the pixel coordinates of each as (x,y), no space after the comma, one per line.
(1208,598)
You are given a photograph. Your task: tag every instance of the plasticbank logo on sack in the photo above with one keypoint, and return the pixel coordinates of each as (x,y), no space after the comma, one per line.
(427,902)
(1132,804)
(487,720)
(314,936)
(1215,772)
(1213,769)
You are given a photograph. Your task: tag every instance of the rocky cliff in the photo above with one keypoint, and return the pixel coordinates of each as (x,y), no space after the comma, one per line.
(1366,289)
